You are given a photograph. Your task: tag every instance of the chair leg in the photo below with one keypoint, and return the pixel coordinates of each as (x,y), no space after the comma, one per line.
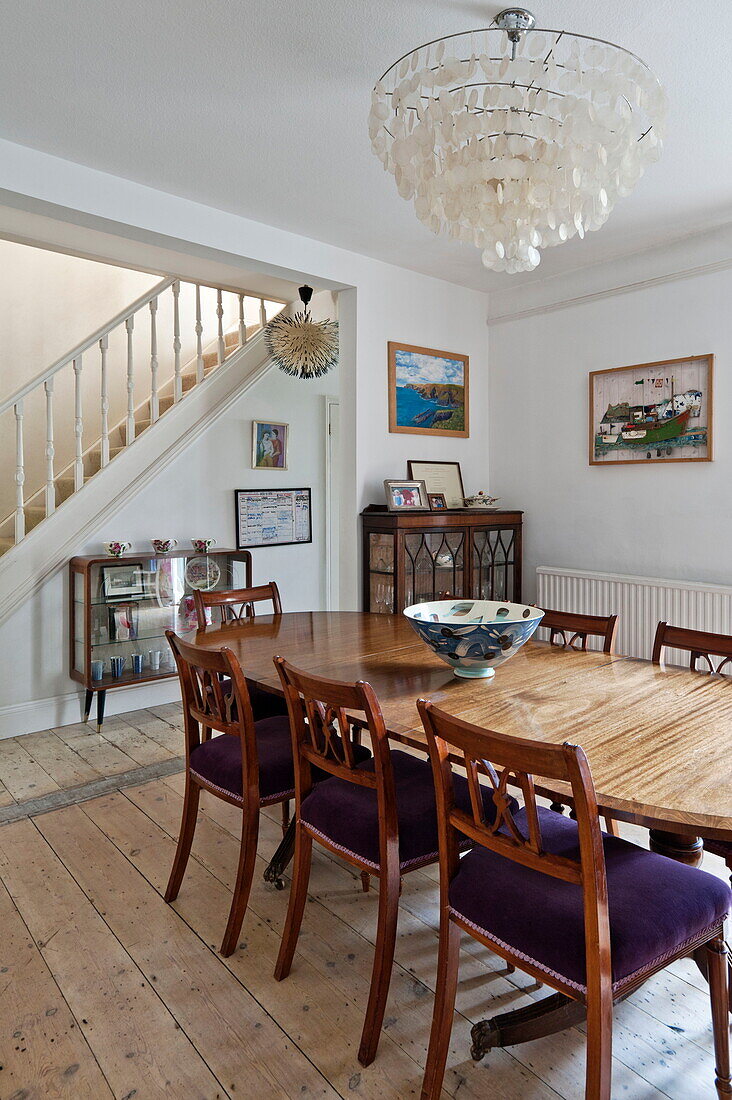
(598,1074)
(447,976)
(185,839)
(719,994)
(244,876)
(365,881)
(285,816)
(296,905)
(389,886)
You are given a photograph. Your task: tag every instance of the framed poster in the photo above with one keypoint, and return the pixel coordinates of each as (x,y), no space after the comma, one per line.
(428,391)
(652,412)
(272,517)
(269,445)
(440,477)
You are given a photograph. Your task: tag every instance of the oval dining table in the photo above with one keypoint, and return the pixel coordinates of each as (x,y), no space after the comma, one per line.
(658,740)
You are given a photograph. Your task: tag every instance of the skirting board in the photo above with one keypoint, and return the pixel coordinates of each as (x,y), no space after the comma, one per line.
(65,710)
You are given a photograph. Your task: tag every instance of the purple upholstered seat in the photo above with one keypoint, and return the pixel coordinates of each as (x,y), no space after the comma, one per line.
(347,814)
(218,761)
(655,904)
(265,704)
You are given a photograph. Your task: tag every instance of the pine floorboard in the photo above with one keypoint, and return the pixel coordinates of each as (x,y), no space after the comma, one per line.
(107,992)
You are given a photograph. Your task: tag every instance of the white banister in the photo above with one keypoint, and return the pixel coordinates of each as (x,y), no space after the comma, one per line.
(199,335)
(177,380)
(50,486)
(242,322)
(154,407)
(262,313)
(19,473)
(104,391)
(220,315)
(78,427)
(130,429)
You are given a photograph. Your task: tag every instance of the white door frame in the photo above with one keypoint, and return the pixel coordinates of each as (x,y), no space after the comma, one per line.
(332,500)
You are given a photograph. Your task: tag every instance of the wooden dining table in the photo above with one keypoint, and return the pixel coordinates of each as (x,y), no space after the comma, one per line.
(658,740)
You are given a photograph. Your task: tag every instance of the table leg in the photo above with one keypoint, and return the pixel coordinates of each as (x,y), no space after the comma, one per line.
(545,1017)
(285,851)
(684,849)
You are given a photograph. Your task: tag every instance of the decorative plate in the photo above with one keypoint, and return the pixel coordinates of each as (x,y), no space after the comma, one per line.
(202,573)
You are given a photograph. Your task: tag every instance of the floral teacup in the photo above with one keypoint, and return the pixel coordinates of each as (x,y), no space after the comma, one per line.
(202,546)
(116,549)
(163,546)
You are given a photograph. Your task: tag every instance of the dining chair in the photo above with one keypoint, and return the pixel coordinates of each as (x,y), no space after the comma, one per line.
(236,603)
(574,629)
(592,916)
(700,645)
(379,814)
(249,764)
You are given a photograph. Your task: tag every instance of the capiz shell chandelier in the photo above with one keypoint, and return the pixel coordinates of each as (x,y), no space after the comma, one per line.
(513,138)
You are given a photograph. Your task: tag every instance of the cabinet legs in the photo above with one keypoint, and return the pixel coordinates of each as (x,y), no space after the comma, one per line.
(88,699)
(101,700)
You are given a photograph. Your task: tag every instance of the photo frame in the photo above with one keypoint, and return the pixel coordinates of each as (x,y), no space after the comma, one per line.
(272,517)
(123,581)
(270,443)
(652,412)
(440,477)
(437,502)
(404,495)
(429,392)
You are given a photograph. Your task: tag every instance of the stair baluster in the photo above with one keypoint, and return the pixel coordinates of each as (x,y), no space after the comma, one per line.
(199,334)
(177,380)
(19,473)
(130,428)
(78,427)
(262,313)
(50,486)
(242,323)
(220,315)
(103,348)
(154,407)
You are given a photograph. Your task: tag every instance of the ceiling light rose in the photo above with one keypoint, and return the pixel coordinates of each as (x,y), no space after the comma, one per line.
(300,346)
(513,138)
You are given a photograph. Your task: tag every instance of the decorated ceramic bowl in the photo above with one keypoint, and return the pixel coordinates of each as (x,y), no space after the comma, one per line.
(473,637)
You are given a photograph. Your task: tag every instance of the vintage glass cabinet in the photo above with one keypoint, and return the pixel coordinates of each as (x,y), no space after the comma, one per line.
(120,608)
(412,557)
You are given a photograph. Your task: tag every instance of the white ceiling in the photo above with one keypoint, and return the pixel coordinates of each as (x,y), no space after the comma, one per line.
(259,107)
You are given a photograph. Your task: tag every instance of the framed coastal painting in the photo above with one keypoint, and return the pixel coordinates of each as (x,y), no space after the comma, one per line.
(428,391)
(652,412)
(269,445)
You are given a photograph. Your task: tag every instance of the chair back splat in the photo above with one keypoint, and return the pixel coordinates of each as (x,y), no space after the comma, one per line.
(235,604)
(503,760)
(699,644)
(571,631)
(325,737)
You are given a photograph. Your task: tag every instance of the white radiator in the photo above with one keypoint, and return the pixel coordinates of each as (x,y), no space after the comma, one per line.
(640,604)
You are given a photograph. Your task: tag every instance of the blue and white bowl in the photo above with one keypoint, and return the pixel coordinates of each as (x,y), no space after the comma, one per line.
(474,636)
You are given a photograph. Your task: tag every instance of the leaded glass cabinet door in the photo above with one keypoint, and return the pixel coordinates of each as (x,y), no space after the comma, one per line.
(494,563)
(434,565)
(381,572)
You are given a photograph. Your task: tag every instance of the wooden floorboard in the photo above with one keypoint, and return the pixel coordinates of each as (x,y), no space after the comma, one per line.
(112,993)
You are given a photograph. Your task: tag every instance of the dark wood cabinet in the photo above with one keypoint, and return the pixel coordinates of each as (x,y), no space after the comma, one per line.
(411,557)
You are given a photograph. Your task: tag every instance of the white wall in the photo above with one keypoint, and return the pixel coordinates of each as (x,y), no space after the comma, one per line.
(654,520)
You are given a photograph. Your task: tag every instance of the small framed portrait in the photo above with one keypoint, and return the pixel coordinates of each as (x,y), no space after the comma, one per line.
(269,445)
(406,496)
(120,582)
(437,502)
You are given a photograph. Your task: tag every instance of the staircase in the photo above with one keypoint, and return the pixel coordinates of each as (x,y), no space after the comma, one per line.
(214,323)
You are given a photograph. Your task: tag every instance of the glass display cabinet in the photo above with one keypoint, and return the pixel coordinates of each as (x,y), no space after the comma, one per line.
(120,608)
(413,557)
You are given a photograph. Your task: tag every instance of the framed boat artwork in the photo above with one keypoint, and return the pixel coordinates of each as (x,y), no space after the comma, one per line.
(652,412)
(428,391)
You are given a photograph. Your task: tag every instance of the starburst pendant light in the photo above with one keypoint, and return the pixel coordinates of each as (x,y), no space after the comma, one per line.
(513,138)
(300,346)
